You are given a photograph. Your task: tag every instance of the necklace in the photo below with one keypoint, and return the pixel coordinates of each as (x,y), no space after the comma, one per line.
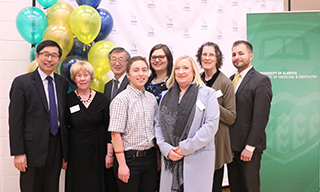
(161,80)
(86,101)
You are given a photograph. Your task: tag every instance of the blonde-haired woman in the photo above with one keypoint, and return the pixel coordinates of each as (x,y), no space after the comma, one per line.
(88,137)
(186,123)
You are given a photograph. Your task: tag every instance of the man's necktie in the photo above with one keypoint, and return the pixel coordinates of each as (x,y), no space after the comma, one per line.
(235,80)
(53,107)
(115,88)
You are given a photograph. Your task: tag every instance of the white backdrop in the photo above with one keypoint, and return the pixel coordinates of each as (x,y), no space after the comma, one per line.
(183,25)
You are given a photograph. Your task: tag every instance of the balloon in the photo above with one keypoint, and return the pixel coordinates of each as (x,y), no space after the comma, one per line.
(65,66)
(33,53)
(61,34)
(47,3)
(92,3)
(98,57)
(31,22)
(98,83)
(33,66)
(85,23)
(80,48)
(59,13)
(106,24)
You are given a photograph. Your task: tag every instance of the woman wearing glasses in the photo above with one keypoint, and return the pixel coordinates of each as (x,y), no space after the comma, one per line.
(210,58)
(161,61)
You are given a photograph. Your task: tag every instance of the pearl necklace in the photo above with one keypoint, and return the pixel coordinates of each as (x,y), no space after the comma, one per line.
(86,101)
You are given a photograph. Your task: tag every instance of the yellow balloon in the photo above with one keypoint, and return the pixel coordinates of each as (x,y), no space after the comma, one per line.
(85,23)
(59,13)
(98,83)
(98,57)
(61,34)
(34,64)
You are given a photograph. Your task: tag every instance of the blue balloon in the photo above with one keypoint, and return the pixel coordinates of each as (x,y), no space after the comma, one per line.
(92,3)
(66,64)
(106,24)
(80,49)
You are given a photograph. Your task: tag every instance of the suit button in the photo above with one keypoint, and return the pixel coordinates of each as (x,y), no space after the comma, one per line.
(47,135)
(48,120)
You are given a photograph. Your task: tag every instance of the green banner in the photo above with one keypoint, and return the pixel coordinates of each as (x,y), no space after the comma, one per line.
(286,47)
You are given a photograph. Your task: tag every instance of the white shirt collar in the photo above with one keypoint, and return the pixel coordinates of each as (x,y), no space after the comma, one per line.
(43,75)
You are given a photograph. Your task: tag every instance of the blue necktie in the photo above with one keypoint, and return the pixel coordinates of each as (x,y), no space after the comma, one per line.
(53,107)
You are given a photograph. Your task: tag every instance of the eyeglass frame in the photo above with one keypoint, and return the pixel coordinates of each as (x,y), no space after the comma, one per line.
(46,55)
(159,57)
(120,61)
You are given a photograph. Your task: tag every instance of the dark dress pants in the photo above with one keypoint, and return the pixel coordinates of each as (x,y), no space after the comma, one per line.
(244,175)
(46,178)
(143,174)
(217,180)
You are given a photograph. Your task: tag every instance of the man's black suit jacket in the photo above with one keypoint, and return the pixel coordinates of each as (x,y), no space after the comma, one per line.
(253,101)
(29,124)
(108,87)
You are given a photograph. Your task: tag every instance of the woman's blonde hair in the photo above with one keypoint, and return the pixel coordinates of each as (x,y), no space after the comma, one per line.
(197,78)
(81,66)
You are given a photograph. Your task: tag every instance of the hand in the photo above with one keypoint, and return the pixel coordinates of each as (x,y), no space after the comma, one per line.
(178,151)
(109,161)
(173,155)
(64,164)
(246,155)
(124,173)
(20,162)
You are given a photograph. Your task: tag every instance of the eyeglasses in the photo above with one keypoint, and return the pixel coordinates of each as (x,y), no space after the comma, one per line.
(160,57)
(205,55)
(46,55)
(120,61)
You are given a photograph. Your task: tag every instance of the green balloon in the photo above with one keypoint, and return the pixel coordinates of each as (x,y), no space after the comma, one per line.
(31,22)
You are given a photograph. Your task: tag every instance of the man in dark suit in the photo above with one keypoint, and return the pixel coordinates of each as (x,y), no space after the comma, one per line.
(118,58)
(248,137)
(38,137)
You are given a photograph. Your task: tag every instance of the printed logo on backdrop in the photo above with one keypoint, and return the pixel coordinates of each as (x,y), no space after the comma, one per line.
(296,134)
(133,48)
(235,3)
(169,24)
(204,1)
(204,23)
(186,34)
(248,9)
(234,26)
(186,6)
(133,19)
(219,34)
(170,47)
(113,2)
(263,4)
(219,8)
(150,32)
(114,30)
(151,4)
